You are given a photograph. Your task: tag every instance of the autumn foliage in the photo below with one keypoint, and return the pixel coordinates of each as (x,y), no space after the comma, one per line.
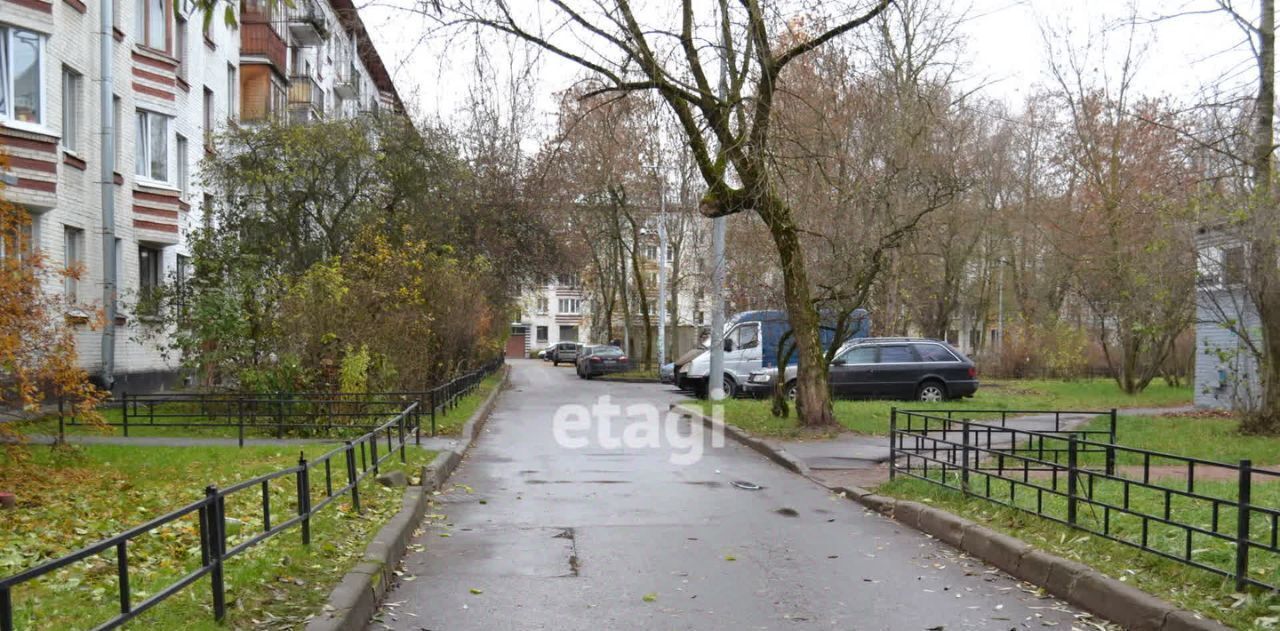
(38,361)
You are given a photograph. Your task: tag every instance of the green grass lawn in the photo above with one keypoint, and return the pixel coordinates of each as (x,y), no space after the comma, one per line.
(151,423)
(1188,587)
(1195,436)
(70,497)
(636,373)
(872,417)
(1205,436)
(451,421)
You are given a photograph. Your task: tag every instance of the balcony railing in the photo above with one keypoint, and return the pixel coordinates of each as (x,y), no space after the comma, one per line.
(261,39)
(305,93)
(307,23)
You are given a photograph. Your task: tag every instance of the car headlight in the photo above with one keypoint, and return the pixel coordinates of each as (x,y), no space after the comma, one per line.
(760,377)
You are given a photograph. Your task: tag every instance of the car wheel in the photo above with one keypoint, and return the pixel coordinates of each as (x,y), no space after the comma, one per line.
(730,388)
(931,392)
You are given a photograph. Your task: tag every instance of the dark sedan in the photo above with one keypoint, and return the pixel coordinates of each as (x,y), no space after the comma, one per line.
(601,360)
(889,368)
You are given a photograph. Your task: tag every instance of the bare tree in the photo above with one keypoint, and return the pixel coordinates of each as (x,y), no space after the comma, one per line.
(728,131)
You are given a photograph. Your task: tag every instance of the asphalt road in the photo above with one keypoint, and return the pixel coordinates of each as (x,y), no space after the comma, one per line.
(536,534)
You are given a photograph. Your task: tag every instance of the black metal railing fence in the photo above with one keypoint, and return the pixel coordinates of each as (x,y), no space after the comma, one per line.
(1194,511)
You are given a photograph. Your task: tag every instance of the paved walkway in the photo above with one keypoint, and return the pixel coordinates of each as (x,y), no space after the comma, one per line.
(534,533)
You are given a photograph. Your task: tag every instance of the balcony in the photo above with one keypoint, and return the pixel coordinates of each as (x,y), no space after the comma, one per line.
(306,99)
(262,97)
(307,23)
(347,82)
(260,39)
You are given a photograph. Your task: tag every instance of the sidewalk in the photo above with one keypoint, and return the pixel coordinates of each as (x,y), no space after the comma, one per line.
(862,460)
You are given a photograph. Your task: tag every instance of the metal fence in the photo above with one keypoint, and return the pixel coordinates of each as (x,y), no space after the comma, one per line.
(315,414)
(345,467)
(1198,512)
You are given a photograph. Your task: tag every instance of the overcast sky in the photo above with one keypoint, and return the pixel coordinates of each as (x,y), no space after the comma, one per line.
(1005,48)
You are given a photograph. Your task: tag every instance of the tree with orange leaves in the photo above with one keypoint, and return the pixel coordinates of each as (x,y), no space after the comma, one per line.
(37,345)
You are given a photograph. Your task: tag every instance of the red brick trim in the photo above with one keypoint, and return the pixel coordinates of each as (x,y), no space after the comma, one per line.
(156,59)
(151,76)
(37,185)
(117,178)
(155,212)
(45,146)
(156,197)
(35,5)
(78,6)
(73,161)
(160,94)
(43,166)
(151,225)
(117,34)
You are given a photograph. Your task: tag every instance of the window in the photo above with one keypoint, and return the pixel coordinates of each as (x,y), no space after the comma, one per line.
(748,337)
(1233,265)
(208,117)
(570,305)
(182,272)
(151,23)
(21,242)
(859,355)
(72,259)
(149,277)
(897,355)
(152,146)
(184,177)
(542,335)
(651,252)
(21,75)
(567,280)
(233,88)
(206,210)
(934,353)
(544,305)
(180,44)
(71,82)
(1221,267)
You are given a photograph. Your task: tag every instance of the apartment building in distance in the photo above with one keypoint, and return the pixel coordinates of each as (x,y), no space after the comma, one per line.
(174,84)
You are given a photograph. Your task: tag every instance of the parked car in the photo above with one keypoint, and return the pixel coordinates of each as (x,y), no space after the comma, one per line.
(682,361)
(564,353)
(888,368)
(751,341)
(546,353)
(601,360)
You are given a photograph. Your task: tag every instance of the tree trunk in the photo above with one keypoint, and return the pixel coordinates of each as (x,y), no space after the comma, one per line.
(1266,276)
(813,397)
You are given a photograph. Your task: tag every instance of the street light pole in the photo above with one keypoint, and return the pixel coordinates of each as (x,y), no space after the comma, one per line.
(662,271)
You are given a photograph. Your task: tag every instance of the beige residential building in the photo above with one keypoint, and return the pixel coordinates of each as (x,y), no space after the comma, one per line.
(173,84)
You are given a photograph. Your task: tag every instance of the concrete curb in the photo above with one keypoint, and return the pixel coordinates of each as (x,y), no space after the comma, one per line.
(629,380)
(772,452)
(1071,581)
(354,601)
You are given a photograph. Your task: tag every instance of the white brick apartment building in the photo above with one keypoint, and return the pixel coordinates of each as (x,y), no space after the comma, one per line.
(173,85)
